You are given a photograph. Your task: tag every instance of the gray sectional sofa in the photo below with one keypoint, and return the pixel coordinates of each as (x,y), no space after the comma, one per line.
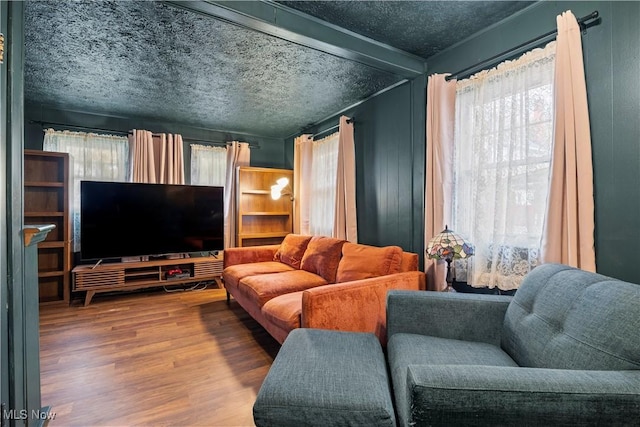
(565,350)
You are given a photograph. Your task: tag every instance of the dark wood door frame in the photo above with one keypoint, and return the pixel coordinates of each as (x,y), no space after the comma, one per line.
(19,319)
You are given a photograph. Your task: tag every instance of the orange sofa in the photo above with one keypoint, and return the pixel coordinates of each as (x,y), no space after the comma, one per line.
(318,282)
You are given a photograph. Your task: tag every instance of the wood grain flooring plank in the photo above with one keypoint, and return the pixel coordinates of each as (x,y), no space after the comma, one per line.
(152,359)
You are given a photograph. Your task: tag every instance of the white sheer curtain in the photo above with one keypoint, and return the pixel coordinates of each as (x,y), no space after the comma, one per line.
(502,154)
(93,158)
(208,165)
(324,172)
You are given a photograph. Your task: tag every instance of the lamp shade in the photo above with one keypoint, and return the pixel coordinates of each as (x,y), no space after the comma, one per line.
(448,245)
(276,192)
(281,188)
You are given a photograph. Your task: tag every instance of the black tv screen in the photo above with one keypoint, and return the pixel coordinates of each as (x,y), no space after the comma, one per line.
(122,219)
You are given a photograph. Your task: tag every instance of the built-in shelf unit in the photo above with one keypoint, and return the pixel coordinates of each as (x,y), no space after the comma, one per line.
(46,201)
(260,219)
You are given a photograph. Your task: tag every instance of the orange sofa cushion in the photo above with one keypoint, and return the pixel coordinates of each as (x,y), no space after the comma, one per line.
(363,261)
(264,287)
(234,273)
(323,256)
(284,311)
(292,249)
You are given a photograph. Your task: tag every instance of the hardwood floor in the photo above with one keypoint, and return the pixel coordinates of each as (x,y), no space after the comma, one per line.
(152,359)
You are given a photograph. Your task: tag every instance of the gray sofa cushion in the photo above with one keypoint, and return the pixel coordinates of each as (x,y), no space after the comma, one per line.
(495,395)
(570,319)
(447,315)
(406,350)
(326,378)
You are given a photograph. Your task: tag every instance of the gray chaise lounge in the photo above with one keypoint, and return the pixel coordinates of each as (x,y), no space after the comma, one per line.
(565,350)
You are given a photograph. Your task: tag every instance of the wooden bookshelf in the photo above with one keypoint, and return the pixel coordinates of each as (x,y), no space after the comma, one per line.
(47,201)
(262,220)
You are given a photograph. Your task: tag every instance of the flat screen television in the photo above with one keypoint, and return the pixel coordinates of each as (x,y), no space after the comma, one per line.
(123,219)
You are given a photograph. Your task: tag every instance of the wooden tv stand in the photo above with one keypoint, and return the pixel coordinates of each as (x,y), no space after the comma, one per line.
(123,276)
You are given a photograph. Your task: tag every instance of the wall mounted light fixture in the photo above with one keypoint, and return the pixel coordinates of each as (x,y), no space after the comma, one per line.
(282,188)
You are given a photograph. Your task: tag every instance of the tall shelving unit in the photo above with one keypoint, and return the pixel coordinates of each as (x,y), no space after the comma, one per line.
(260,219)
(46,201)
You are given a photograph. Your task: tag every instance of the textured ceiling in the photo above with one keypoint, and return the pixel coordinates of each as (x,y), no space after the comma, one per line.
(151,60)
(423,28)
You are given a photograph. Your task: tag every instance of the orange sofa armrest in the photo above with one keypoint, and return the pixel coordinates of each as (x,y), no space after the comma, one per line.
(358,306)
(246,255)
(409,262)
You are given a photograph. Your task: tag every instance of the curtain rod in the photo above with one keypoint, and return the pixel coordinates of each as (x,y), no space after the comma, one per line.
(516,50)
(218,143)
(85,128)
(204,141)
(331,128)
(122,133)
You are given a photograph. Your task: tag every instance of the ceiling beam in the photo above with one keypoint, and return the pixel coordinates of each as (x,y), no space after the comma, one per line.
(280,21)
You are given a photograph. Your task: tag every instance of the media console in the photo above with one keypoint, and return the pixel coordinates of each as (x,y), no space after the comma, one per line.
(123,276)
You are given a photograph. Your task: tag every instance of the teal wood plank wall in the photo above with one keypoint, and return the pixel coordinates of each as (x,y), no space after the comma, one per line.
(612,66)
(389,134)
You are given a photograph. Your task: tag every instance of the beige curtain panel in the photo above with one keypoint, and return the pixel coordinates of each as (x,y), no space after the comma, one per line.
(568,235)
(441,98)
(171,158)
(238,154)
(345,225)
(156,159)
(302,161)
(142,164)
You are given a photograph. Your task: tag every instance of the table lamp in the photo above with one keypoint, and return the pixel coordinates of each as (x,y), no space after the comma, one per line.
(448,246)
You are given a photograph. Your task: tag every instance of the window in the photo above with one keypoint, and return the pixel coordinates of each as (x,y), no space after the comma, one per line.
(324,172)
(502,155)
(208,165)
(93,158)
